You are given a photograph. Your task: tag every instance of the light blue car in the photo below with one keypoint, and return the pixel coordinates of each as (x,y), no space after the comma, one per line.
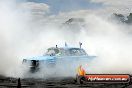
(55,55)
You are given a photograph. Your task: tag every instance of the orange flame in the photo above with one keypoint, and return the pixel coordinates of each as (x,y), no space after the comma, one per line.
(81,71)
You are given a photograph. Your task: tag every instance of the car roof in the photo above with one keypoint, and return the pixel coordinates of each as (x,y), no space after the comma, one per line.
(65,48)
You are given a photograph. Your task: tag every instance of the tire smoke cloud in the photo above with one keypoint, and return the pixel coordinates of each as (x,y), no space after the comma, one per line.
(23,35)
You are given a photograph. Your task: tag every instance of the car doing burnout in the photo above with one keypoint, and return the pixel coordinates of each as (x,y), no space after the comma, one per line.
(55,55)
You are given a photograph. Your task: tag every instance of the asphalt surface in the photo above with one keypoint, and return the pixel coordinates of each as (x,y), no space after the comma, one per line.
(8,82)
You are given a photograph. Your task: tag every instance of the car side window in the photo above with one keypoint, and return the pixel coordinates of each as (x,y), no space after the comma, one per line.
(77,52)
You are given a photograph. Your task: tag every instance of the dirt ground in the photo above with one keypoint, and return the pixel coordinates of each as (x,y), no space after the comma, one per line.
(8,82)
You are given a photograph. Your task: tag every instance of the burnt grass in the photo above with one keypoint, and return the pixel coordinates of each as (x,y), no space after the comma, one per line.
(69,82)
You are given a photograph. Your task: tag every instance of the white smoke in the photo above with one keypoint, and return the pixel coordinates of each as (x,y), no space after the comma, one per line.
(111,42)
(22,35)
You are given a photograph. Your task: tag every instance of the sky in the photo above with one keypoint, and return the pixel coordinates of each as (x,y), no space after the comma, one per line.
(57,6)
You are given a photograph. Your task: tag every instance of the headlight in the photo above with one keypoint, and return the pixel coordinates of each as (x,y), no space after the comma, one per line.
(24,60)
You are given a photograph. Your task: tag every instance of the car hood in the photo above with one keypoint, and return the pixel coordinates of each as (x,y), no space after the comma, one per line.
(45,57)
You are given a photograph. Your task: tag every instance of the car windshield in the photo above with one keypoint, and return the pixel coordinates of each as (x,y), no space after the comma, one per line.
(66,52)
(52,51)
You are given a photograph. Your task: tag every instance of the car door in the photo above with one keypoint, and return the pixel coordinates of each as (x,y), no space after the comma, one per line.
(74,60)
